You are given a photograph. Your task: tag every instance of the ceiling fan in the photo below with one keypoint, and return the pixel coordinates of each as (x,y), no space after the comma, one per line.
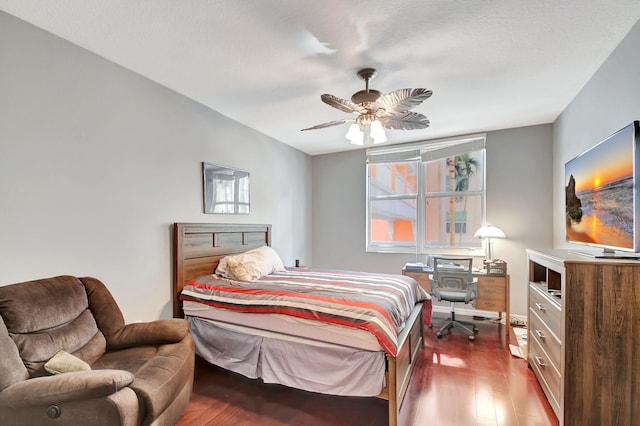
(377,111)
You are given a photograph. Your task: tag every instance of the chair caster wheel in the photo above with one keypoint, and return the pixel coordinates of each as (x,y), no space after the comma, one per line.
(439,335)
(475,330)
(430,326)
(472,338)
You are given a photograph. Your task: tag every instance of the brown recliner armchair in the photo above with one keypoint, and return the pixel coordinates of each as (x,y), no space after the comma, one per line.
(141,373)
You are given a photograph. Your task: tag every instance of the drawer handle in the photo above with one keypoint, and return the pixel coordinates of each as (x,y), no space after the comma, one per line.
(541,362)
(540,335)
(541,307)
(489,304)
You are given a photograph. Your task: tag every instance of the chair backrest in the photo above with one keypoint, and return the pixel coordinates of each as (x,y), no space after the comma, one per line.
(48,315)
(453,277)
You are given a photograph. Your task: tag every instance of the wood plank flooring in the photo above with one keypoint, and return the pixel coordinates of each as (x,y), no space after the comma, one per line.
(456,383)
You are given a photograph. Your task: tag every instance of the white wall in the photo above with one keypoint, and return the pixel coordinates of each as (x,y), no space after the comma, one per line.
(96,162)
(519,200)
(607,103)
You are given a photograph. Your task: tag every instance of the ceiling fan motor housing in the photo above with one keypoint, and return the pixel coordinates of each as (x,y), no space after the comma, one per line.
(367,95)
(363,96)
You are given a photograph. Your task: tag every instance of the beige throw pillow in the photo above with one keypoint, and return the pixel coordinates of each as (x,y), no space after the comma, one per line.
(64,362)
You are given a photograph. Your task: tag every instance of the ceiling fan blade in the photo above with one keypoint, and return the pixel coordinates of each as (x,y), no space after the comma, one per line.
(402,100)
(330,123)
(406,120)
(342,104)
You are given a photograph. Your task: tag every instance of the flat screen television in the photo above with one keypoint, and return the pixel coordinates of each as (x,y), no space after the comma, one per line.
(601,202)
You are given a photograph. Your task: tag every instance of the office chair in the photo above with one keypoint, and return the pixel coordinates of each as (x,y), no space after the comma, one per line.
(452,280)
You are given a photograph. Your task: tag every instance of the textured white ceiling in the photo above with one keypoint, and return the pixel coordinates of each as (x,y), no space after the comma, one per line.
(491,64)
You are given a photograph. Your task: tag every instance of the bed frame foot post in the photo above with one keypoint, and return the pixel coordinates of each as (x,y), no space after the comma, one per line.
(424,341)
(393,392)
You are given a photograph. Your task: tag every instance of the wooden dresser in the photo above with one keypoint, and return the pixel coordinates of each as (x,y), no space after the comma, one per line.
(584,336)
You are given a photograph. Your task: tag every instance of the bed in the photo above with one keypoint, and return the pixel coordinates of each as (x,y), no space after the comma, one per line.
(353,360)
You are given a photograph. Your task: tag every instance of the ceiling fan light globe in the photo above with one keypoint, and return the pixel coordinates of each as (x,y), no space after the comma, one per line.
(353,130)
(377,132)
(378,140)
(376,129)
(358,139)
(355,135)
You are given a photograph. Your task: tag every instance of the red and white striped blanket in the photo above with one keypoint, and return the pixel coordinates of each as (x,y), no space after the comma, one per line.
(378,303)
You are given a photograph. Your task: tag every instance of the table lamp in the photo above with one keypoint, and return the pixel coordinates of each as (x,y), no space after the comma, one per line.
(488,232)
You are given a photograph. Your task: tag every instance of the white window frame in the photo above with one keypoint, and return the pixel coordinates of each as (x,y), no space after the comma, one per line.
(421,152)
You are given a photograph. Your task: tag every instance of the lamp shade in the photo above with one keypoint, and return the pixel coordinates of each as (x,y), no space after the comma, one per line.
(490,232)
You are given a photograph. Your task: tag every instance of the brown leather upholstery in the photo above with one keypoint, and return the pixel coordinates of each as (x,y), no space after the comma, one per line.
(141,373)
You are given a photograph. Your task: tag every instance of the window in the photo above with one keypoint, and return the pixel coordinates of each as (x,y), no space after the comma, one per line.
(425,196)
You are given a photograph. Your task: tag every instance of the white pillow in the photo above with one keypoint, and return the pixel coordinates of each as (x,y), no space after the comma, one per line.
(222,269)
(253,264)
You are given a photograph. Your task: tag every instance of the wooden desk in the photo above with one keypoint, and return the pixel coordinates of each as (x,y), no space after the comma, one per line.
(493,293)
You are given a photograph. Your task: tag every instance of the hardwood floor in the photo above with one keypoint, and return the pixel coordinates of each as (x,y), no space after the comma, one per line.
(456,383)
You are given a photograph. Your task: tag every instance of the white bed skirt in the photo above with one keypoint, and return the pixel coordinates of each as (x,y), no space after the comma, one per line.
(291,361)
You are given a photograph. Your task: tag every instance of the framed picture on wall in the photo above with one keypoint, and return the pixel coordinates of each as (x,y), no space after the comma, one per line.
(226,190)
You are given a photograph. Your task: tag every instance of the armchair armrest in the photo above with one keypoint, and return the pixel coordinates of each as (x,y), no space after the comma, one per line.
(149,333)
(65,387)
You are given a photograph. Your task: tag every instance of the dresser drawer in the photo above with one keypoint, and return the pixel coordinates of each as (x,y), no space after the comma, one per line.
(546,310)
(492,293)
(544,337)
(547,374)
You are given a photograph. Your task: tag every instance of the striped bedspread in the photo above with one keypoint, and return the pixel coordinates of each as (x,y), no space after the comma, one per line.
(378,303)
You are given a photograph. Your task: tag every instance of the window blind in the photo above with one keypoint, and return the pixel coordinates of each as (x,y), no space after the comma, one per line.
(426,150)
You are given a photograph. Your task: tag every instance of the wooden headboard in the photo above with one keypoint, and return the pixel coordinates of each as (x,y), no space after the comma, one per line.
(198,247)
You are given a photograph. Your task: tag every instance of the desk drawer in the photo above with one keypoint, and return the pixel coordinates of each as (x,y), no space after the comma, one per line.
(492,294)
(547,310)
(422,278)
(544,337)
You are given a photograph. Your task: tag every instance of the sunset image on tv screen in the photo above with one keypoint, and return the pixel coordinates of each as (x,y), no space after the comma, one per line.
(599,193)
